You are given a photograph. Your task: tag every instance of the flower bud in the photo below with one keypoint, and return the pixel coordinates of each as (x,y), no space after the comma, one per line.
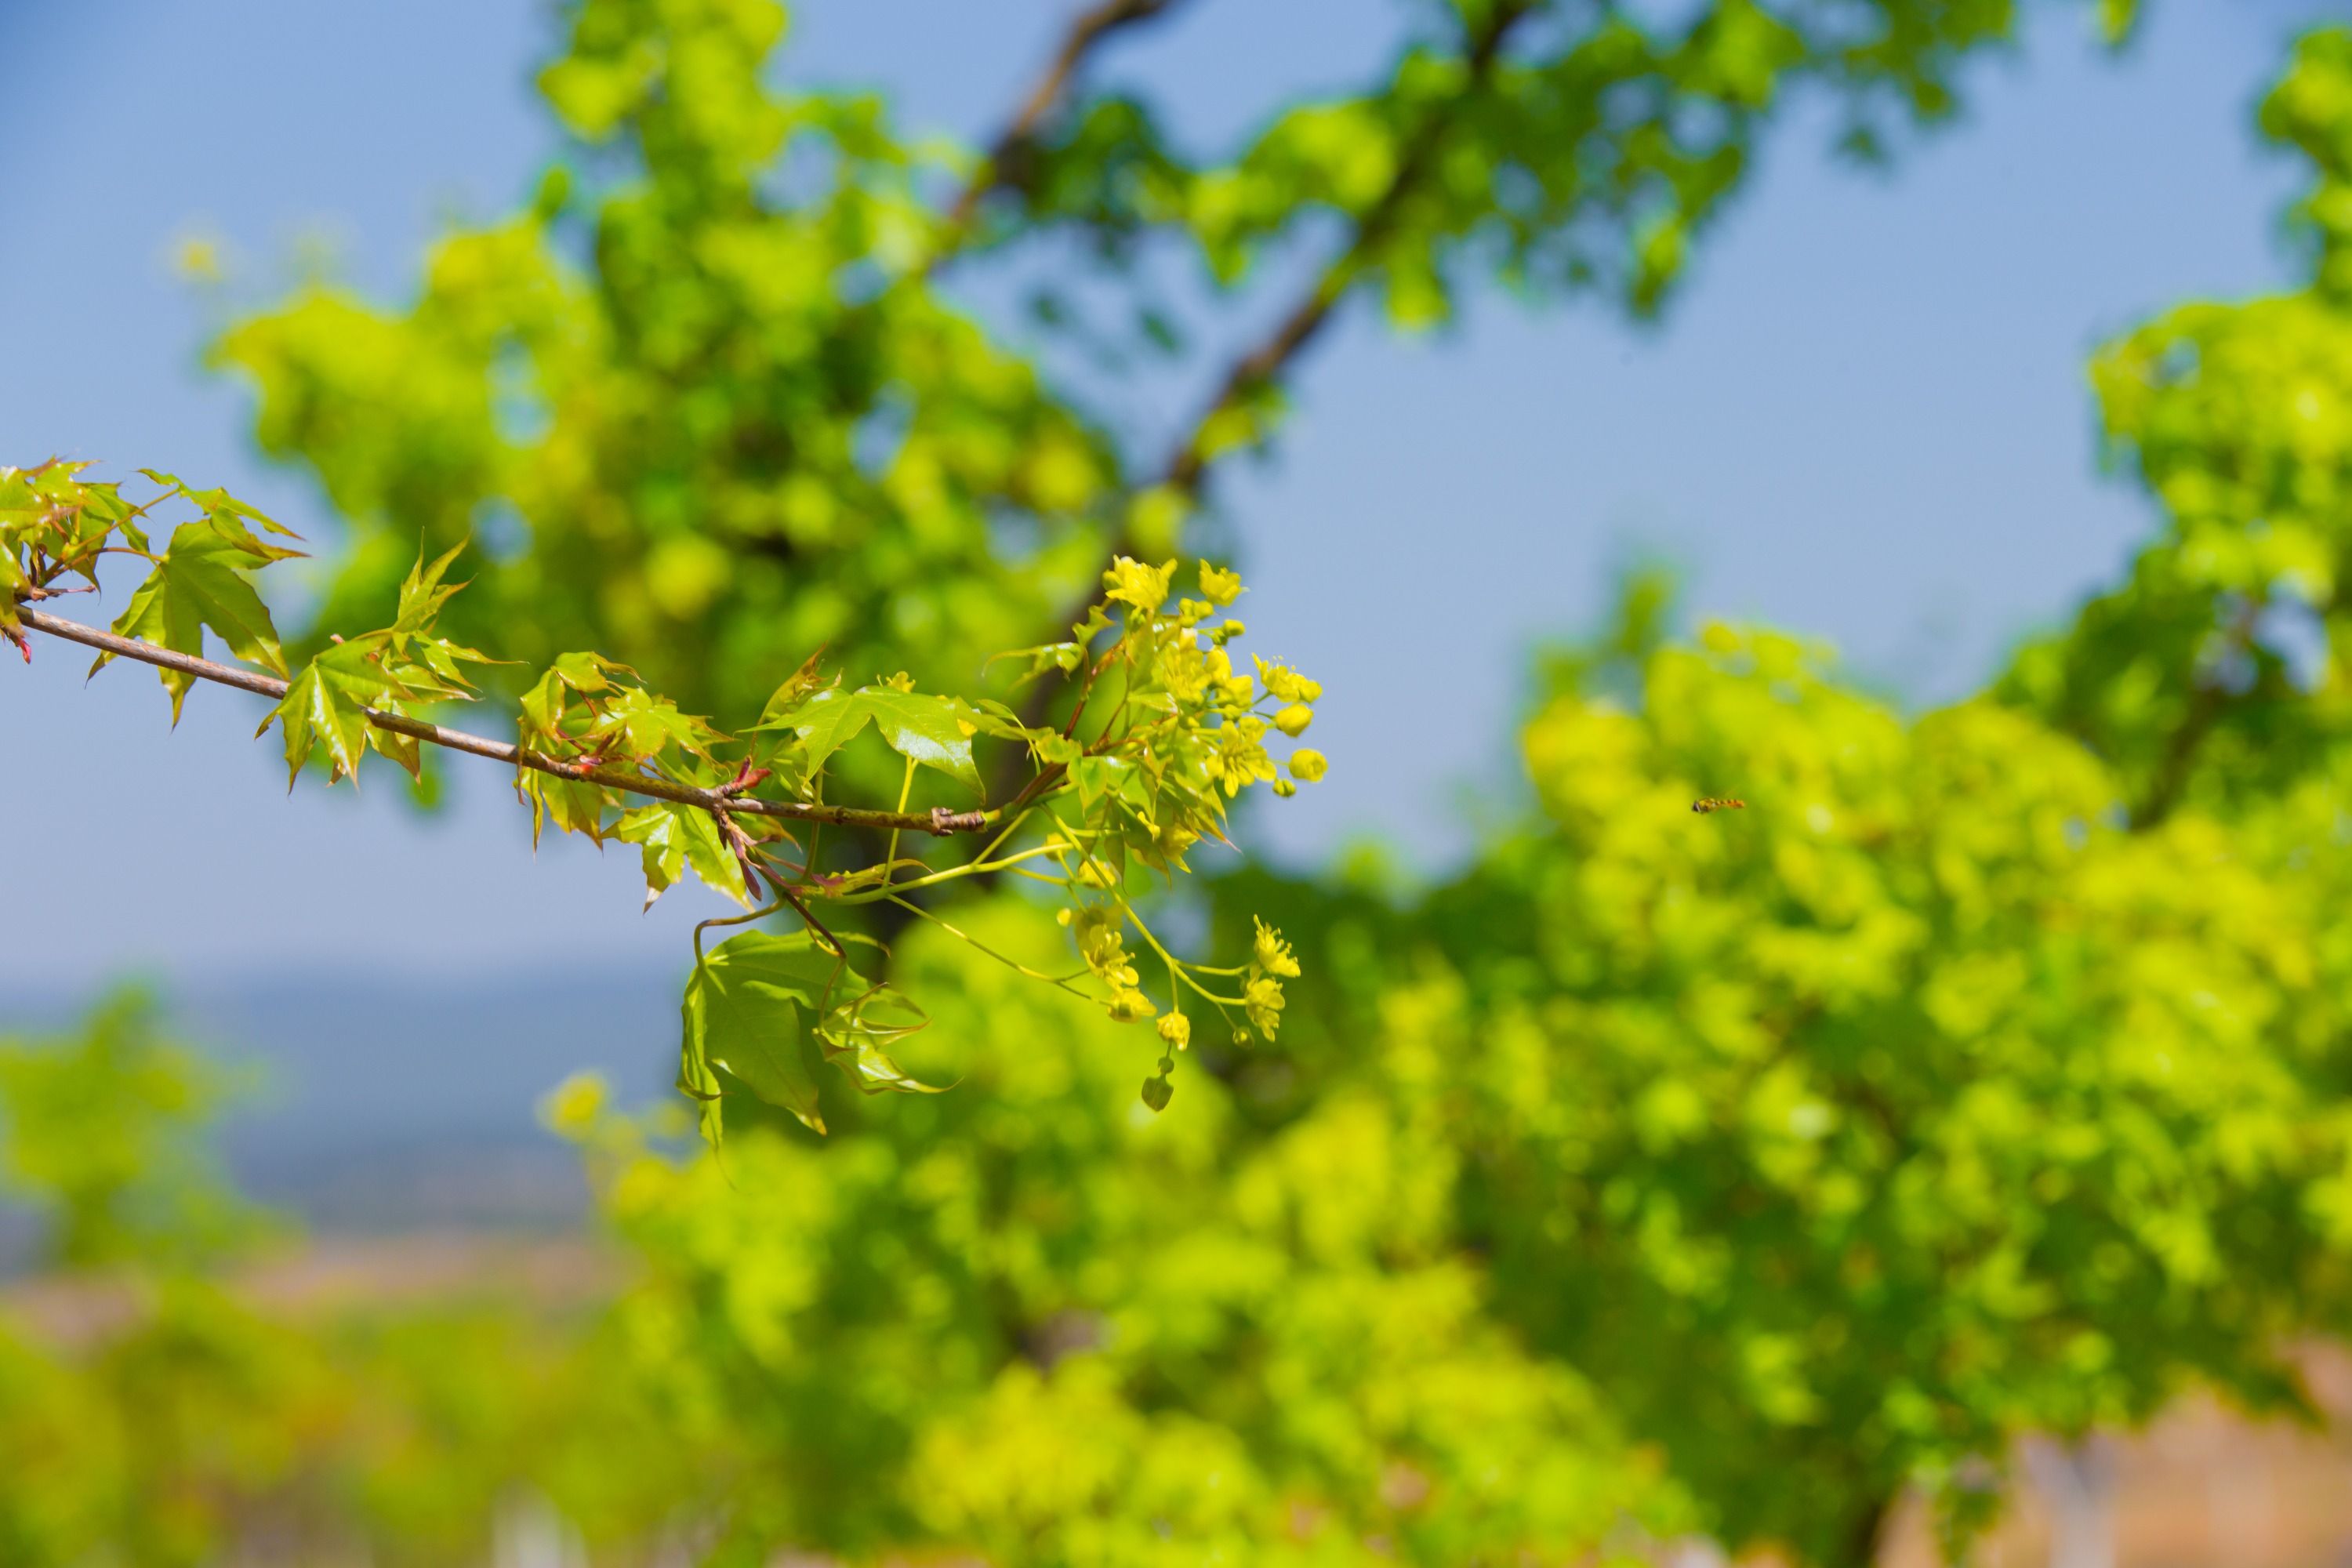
(1307,765)
(1292,720)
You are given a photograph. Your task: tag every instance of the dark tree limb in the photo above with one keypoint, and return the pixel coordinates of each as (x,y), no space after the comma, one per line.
(1254,372)
(1009,155)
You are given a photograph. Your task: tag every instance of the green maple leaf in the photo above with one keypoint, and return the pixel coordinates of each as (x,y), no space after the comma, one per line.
(577,805)
(220,508)
(200,582)
(423,594)
(645,725)
(327,705)
(751,1007)
(853,1037)
(671,838)
(934,732)
(826,723)
(758,1001)
(793,692)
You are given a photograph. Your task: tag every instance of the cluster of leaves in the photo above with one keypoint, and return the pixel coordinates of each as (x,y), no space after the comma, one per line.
(1029,1321)
(56,528)
(1561,148)
(1161,733)
(2214,676)
(1986,1074)
(747,430)
(1918,1104)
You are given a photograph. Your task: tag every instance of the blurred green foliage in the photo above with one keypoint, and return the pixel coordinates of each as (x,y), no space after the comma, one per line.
(1984,1072)
(105,1137)
(1031,1318)
(1918,1104)
(710,400)
(159,1404)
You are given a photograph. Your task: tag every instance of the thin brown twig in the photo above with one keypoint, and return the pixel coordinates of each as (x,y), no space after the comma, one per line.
(936,821)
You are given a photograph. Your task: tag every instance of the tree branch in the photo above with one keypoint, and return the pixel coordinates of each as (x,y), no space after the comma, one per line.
(1188,466)
(1011,146)
(939,821)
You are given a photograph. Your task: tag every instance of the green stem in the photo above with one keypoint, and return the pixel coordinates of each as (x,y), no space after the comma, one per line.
(1008,963)
(935,878)
(1178,968)
(905,788)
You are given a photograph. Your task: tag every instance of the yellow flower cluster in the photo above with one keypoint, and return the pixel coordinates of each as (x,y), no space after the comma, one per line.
(1103,944)
(1271,962)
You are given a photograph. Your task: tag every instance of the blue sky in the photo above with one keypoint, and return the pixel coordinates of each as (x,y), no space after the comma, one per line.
(1865,418)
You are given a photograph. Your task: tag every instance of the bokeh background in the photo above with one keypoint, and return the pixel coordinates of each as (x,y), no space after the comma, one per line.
(1864,414)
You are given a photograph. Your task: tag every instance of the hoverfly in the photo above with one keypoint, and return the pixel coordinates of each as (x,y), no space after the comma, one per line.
(1711,803)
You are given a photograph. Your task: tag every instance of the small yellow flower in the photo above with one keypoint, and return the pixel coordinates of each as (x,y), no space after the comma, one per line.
(1129,581)
(1103,947)
(1239,760)
(1272,953)
(1292,720)
(1221,586)
(1131,1006)
(1264,1000)
(1186,672)
(1287,684)
(1176,1029)
(1308,765)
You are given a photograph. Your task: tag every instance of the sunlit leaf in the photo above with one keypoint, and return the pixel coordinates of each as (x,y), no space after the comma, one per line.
(200,583)
(326,704)
(751,1007)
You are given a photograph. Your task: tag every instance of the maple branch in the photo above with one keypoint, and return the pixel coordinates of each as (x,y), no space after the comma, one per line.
(1010,151)
(940,820)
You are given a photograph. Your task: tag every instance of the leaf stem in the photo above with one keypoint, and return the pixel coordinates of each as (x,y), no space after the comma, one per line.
(1010,963)
(905,789)
(1177,968)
